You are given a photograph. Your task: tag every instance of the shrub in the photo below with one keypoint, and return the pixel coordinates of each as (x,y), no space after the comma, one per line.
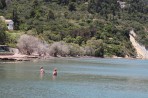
(28,44)
(59,48)
(94,47)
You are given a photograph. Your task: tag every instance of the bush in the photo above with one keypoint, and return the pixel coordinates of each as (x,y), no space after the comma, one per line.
(28,45)
(94,47)
(3,35)
(65,49)
(76,50)
(59,48)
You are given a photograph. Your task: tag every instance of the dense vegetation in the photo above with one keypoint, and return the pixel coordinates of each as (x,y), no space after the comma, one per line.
(100,26)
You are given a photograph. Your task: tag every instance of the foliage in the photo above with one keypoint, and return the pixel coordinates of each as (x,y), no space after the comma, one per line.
(3,35)
(94,47)
(30,44)
(83,27)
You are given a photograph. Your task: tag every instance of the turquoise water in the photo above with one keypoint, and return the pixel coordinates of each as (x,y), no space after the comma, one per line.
(77,78)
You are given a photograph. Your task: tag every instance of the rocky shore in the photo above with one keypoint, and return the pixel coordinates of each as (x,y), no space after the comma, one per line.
(17,57)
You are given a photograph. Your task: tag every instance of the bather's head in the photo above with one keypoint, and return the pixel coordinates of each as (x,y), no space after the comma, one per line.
(41,67)
(55,69)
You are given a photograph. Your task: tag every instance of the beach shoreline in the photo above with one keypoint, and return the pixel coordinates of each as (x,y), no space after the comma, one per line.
(22,57)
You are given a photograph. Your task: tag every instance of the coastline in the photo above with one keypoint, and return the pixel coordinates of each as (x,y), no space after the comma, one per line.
(21,57)
(16,57)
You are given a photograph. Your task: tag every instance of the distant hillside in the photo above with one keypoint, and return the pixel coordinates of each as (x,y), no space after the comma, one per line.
(80,21)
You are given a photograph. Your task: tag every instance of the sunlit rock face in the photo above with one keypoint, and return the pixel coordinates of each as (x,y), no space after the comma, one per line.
(142,51)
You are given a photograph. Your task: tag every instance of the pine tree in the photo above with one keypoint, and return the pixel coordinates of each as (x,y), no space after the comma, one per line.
(15,19)
(72,7)
(2,4)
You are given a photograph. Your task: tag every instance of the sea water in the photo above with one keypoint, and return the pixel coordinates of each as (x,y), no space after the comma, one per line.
(77,78)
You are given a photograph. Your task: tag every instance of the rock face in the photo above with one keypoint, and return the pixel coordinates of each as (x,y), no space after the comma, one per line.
(142,52)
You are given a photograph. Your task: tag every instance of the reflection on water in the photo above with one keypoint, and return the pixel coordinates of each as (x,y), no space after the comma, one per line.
(54,77)
(41,75)
(77,78)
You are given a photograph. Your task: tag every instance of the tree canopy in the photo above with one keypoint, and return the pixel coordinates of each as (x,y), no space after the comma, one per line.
(81,21)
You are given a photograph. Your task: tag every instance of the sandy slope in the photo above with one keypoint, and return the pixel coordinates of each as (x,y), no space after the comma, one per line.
(140,49)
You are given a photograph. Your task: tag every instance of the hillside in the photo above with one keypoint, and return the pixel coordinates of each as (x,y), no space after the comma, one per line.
(99,26)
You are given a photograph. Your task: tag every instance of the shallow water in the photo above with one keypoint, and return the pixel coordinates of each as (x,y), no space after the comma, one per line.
(77,78)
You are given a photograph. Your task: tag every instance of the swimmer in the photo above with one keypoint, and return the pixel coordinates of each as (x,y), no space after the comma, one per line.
(55,72)
(42,70)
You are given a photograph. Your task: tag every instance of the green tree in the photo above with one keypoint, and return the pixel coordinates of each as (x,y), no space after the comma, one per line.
(15,19)
(63,2)
(3,36)
(95,47)
(2,4)
(78,40)
(35,4)
(72,7)
(50,15)
(47,0)
(113,10)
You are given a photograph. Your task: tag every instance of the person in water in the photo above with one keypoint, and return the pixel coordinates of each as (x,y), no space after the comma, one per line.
(42,70)
(55,72)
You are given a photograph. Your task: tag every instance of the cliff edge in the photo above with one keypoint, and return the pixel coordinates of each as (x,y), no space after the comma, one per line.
(140,49)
